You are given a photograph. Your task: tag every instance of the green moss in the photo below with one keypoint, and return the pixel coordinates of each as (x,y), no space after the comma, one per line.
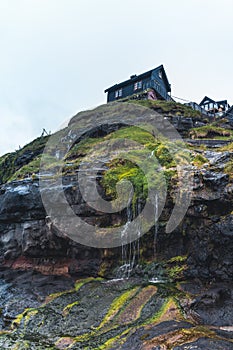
(80,283)
(124,170)
(176,272)
(228,169)
(137,134)
(164,155)
(155,318)
(159,164)
(228,147)
(82,148)
(118,340)
(178,259)
(175,267)
(117,305)
(25,315)
(67,309)
(9,163)
(27,170)
(210,131)
(199,160)
(168,107)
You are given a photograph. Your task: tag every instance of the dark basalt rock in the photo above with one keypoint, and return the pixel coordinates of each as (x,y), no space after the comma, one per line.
(204,344)
(91,312)
(28,237)
(205,235)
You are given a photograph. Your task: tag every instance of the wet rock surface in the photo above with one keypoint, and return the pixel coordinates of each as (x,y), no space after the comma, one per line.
(109,314)
(28,238)
(54,293)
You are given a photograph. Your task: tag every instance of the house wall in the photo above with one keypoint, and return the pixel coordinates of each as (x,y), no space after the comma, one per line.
(128,90)
(154,81)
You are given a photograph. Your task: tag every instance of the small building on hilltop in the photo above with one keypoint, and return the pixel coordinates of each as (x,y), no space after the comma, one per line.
(214,107)
(153,85)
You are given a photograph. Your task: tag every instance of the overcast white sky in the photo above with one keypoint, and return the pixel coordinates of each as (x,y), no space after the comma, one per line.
(58,56)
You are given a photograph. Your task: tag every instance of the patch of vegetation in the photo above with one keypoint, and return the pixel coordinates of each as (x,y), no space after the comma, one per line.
(26,162)
(68,307)
(160,163)
(175,108)
(228,169)
(210,131)
(12,162)
(175,267)
(199,160)
(82,148)
(124,170)
(228,148)
(117,305)
(28,170)
(137,134)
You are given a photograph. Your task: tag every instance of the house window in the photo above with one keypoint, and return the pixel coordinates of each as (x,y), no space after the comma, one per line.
(160,74)
(138,85)
(118,93)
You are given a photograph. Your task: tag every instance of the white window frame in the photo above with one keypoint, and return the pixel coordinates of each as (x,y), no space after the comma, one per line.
(118,93)
(137,85)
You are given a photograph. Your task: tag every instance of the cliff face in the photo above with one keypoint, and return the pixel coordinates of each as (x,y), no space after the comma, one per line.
(179,294)
(29,240)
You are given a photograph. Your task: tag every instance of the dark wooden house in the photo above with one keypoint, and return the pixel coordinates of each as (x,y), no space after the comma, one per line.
(153,85)
(214,107)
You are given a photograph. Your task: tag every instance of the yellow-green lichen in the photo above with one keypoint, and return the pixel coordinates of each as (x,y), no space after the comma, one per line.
(117,305)
(158,315)
(67,309)
(25,315)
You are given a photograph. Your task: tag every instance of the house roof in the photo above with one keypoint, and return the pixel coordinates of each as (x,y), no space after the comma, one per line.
(205,99)
(222,102)
(141,76)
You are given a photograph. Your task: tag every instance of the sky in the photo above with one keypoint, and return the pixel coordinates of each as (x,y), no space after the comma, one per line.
(58,56)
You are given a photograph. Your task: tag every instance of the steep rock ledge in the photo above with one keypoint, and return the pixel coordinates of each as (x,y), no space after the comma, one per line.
(205,234)
(29,240)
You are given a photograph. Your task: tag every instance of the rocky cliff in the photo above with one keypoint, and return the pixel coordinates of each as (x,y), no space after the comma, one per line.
(138,312)
(28,238)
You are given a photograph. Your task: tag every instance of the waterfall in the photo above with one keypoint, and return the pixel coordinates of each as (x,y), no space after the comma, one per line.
(130,253)
(156,224)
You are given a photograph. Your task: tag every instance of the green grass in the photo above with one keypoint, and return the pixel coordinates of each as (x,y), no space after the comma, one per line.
(168,107)
(228,148)
(228,169)
(210,132)
(9,163)
(164,151)
(134,133)
(199,160)
(158,157)
(82,148)
(27,170)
